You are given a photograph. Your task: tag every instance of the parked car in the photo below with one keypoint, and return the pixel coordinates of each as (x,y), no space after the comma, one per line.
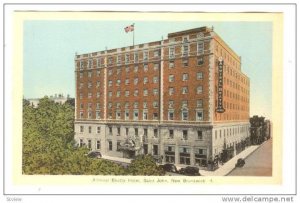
(190,171)
(240,162)
(94,154)
(169,168)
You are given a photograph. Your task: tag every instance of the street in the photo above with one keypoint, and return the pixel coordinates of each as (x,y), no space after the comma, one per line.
(259,163)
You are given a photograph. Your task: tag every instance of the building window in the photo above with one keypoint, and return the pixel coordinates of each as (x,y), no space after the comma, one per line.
(145,55)
(145,92)
(136,105)
(199,76)
(118,146)
(200,135)
(81,143)
(118,105)
(119,59)
(81,105)
(156,53)
(110,72)
(81,65)
(126,105)
(98,94)
(136,68)
(185,135)
(155,116)
(155,66)
(90,74)
(171,78)
(109,105)
(136,93)
(184,104)
(185,115)
(89,95)
(90,129)
(171,115)
(98,145)
(155,91)
(109,94)
(136,131)
(89,114)
(135,115)
(89,85)
(185,50)
(171,134)
(98,115)
(110,60)
(98,129)
(145,80)
(126,93)
(185,62)
(171,52)
(155,133)
(126,114)
(171,90)
(81,114)
(145,105)
(110,83)
(171,64)
(110,130)
(118,115)
(185,77)
(127,81)
(199,115)
(127,59)
(98,84)
(90,63)
(98,73)
(155,79)
(145,67)
(81,85)
(80,95)
(199,89)
(80,75)
(155,150)
(89,144)
(81,129)
(126,131)
(110,146)
(89,106)
(118,93)
(136,80)
(184,90)
(199,103)
(145,115)
(118,131)
(171,104)
(145,132)
(136,57)
(200,48)
(155,104)
(118,82)
(200,61)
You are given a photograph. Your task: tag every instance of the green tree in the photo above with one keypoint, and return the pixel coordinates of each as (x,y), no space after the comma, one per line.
(144,165)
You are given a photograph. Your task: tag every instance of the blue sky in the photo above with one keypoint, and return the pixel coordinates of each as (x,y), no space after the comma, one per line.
(50,47)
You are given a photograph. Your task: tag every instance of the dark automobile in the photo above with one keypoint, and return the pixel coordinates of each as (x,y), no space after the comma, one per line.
(240,162)
(190,171)
(94,154)
(169,168)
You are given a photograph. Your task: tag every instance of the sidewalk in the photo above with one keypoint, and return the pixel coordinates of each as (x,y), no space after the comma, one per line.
(222,171)
(229,165)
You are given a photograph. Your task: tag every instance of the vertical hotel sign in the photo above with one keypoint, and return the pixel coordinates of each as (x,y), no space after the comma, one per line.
(220,108)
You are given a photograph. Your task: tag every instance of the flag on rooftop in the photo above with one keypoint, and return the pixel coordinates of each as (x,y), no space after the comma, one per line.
(129,28)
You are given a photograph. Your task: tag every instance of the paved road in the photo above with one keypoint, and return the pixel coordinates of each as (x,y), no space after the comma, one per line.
(259,163)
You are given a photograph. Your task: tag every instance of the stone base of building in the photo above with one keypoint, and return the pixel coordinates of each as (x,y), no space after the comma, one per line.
(198,145)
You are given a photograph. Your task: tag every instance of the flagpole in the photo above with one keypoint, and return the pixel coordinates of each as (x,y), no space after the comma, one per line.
(133,34)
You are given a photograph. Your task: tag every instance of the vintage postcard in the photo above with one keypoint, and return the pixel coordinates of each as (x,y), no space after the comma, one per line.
(146,99)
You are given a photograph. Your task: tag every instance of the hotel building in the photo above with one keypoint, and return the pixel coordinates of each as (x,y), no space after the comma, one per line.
(183,99)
